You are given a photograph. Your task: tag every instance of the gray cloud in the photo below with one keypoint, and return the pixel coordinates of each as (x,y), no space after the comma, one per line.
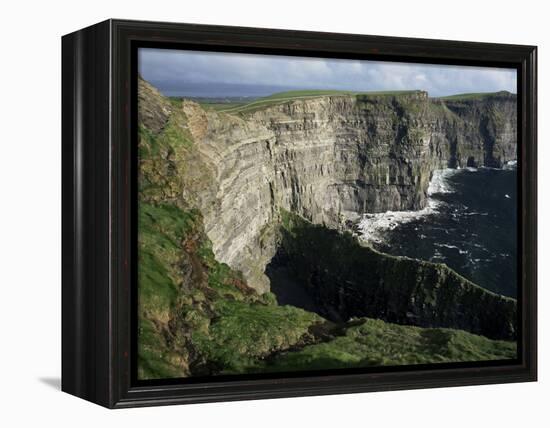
(181,72)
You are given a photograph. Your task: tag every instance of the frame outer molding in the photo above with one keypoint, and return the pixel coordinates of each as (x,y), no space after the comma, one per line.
(97,202)
(86,311)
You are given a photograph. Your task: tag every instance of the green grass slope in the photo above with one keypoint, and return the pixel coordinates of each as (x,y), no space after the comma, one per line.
(473,96)
(373,342)
(283,97)
(196,315)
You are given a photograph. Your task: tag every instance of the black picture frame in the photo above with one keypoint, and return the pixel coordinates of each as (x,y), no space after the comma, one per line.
(99,206)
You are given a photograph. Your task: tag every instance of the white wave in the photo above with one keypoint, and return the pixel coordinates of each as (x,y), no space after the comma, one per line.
(475,213)
(371,227)
(437,256)
(452,247)
(439,182)
(513,164)
(446,246)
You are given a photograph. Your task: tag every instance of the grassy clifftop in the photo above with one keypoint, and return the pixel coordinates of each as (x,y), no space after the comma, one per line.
(287,96)
(369,342)
(476,96)
(243,107)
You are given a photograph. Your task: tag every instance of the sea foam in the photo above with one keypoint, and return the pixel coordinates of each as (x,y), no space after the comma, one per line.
(371,227)
(513,164)
(439,182)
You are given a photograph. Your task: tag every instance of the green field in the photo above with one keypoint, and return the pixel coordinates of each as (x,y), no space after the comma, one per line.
(472,96)
(282,97)
(211,104)
(247,107)
(216,106)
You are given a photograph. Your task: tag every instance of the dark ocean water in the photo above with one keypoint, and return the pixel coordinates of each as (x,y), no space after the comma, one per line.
(472,229)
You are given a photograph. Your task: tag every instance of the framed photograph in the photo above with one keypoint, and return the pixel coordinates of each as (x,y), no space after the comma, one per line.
(253,213)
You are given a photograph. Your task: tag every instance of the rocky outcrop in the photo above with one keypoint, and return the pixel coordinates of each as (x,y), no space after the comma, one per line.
(348,280)
(321,158)
(477,131)
(154,109)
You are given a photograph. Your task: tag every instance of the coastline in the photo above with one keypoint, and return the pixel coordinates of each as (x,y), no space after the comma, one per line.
(369,227)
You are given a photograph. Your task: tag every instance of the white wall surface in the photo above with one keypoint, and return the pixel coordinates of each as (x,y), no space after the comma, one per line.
(30,274)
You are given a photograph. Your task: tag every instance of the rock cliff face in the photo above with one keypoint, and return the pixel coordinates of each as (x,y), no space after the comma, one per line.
(482,131)
(274,184)
(320,157)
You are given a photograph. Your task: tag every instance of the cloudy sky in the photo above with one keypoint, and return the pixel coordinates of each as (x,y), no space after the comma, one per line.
(189,73)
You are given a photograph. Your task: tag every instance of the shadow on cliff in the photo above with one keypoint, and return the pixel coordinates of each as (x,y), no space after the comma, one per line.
(330,273)
(286,286)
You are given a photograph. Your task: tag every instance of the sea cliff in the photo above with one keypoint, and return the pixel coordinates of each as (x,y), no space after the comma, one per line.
(324,158)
